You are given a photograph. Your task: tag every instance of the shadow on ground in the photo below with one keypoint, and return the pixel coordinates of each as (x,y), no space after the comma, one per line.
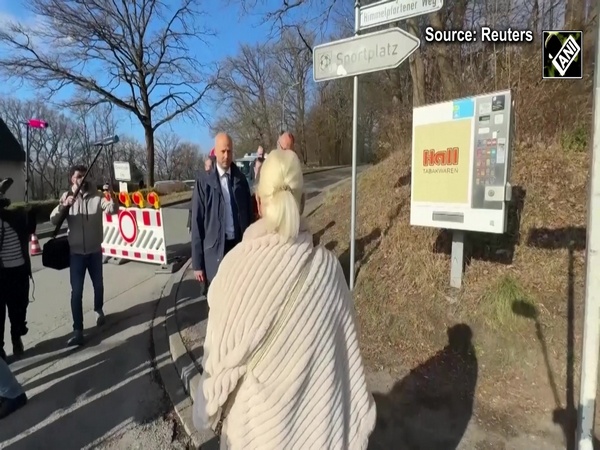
(183,250)
(573,239)
(191,317)
(372,241)
(497,248)
(96,396)
(430,408)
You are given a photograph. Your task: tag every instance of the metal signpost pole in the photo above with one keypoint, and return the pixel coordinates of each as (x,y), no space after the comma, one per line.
(457,258)
(591,326)
(354,155)
(31,123)
(356,56)
(27,168)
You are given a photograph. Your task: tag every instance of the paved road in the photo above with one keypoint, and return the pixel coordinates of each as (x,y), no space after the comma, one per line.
(106,394)
(314,183)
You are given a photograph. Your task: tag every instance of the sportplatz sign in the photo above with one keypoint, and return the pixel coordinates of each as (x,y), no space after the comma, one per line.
(363,54)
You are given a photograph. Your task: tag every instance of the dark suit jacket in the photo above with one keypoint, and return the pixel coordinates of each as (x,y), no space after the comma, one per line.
(208,218)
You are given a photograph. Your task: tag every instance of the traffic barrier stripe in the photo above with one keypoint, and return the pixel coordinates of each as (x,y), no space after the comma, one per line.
(135,234)
(150,218)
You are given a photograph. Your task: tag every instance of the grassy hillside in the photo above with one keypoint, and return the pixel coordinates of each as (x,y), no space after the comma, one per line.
(519,293)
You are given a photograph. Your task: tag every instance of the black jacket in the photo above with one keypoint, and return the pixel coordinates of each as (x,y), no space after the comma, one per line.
(24,224)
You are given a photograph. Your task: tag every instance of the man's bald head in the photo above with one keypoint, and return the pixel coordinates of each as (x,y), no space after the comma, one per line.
(223,150)
(286,141)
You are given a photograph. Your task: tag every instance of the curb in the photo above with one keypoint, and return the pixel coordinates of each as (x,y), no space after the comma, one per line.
(181,376)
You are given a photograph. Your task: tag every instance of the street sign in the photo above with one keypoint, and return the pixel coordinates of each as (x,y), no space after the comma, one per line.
(122,171)
(358,55)
(387,11)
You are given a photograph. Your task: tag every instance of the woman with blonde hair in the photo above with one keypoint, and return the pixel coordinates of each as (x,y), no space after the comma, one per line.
(282,364)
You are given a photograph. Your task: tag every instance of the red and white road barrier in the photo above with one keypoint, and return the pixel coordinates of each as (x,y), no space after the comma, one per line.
(135,234)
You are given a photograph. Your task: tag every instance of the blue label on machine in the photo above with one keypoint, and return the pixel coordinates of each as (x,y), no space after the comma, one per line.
(463,109)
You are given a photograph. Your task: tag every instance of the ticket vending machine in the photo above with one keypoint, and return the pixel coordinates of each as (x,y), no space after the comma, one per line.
(461,158)
(461,163)
(491,165)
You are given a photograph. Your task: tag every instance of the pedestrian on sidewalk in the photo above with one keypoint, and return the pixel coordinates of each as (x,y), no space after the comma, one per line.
(258,162)
(221,211)
(282,364)
(209,162)
(84,219)
(287,141)
(12,396)
(16,227)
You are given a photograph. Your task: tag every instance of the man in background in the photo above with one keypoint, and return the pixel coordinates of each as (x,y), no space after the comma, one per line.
(258,162)
(221,211)
(208,164)
(84,218)
(286,141)
(16,226)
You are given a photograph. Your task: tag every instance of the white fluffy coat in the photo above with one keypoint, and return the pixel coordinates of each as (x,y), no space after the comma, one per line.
(309,390)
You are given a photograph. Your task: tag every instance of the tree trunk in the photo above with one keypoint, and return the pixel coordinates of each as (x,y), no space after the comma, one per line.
(417,69)
(574,14)
(149,135)
(444,61)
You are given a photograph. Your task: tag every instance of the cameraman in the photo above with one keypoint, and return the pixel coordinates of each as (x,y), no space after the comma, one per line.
(16,226)
(84,218)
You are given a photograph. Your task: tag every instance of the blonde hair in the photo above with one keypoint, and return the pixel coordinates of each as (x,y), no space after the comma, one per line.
(280,191)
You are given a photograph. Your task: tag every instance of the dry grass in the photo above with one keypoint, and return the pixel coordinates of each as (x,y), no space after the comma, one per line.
(402,297)
(175,197)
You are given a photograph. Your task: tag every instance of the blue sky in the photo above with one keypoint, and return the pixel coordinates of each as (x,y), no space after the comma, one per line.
(232,30)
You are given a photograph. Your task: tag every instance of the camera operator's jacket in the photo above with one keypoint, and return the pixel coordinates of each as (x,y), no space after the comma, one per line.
(85,220)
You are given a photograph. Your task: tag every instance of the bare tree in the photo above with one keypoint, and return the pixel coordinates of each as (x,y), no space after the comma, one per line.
(166,146)
(176,160)
(134,55)
(68,141)
(187,161)
(294,60)
(248,90)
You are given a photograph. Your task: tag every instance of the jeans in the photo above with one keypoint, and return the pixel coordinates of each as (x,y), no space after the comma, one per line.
(91,262)
(9,386)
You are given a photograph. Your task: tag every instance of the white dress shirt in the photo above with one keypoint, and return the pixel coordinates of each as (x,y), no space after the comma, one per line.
(229,223)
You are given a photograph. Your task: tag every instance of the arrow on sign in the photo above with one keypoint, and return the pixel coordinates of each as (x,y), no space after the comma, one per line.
(358,55)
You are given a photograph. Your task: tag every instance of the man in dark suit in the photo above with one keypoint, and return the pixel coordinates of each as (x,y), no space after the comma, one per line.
(221,211)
